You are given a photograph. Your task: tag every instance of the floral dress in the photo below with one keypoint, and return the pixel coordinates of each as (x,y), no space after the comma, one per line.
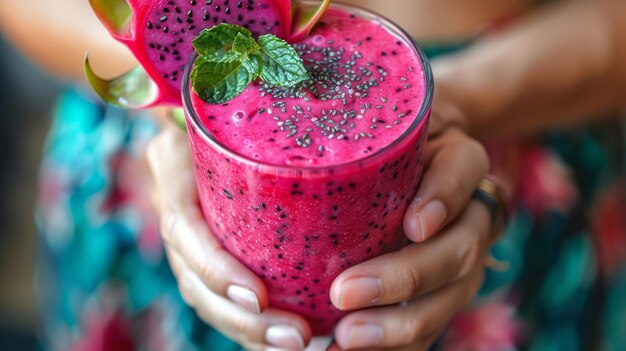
(104,284)
(102,280)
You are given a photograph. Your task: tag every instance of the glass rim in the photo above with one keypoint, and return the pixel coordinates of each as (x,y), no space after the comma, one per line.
(363,13)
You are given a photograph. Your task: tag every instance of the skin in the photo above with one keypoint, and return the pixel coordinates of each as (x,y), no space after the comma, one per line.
(205,271)
(489,90)
(45,41)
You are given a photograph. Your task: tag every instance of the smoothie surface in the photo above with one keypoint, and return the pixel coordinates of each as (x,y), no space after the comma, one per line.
(367,87)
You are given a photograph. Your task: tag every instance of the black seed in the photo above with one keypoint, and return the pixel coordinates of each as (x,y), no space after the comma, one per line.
(228,194)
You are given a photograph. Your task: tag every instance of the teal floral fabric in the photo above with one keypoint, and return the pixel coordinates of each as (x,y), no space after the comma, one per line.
(104,284)
(102,279)
(566,247)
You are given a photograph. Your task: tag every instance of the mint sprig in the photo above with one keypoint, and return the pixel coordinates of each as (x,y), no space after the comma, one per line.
(230,59)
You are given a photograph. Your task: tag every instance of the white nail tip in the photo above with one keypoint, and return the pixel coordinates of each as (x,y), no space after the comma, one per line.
(284,336)
(244,298)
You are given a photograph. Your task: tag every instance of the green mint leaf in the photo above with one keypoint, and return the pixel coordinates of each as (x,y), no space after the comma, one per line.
(218,40)
(253,64)
(219,82)
(281,65)
(230,59)
(245,45)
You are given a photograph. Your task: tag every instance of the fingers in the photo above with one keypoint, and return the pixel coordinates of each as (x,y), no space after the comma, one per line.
(186,233)
(257,332)
(184,229)
(170,162)
(419,268)
(413,326)
(456,164)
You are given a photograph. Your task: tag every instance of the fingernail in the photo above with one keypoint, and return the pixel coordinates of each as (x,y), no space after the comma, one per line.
(361,336)
(360,292)
(284,336)
(429,219)
(244,298)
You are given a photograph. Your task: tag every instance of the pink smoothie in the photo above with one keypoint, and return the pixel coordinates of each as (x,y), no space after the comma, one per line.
(301,184)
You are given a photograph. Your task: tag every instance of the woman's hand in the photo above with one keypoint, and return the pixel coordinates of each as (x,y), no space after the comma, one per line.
(223,292)
(411,295)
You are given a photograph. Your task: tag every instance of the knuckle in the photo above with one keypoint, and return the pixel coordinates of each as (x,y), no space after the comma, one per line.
(239,322)
(412,331)
(471,254)
(412,280)
(186,287)
(207,270)
(169,224)
(456,192)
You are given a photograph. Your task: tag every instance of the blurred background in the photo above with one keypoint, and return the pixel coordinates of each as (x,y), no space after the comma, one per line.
(26,95)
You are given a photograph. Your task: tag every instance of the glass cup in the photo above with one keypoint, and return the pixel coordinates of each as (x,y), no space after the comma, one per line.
(298,227)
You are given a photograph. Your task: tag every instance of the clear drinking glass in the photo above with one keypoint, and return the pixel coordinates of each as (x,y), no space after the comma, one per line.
(299,227)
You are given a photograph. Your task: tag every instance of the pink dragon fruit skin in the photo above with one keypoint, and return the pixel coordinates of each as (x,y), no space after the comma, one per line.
(159,33)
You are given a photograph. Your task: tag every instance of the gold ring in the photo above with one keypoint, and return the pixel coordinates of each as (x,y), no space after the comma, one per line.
(490,193)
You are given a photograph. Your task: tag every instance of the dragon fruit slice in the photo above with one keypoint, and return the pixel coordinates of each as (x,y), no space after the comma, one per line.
(159,33)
